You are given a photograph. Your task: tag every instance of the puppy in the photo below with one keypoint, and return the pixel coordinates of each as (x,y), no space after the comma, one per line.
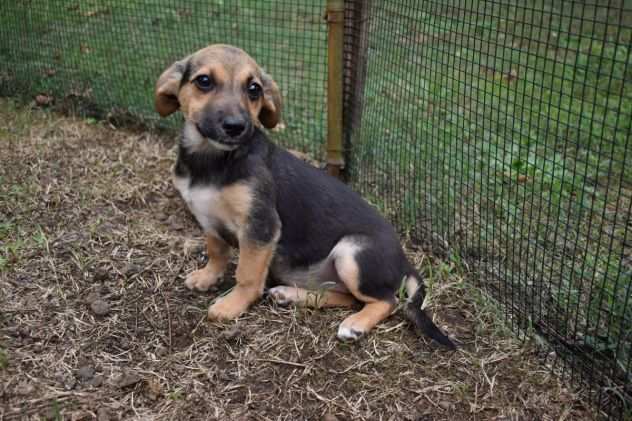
(317,239)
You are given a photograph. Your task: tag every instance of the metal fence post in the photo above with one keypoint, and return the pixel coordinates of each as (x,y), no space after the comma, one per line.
(335,21)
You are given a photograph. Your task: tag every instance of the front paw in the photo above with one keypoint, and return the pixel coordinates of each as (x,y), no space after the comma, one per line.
(232,305)
(201,280)
(224,310)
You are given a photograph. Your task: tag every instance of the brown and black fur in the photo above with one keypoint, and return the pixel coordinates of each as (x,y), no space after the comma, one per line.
(318,240)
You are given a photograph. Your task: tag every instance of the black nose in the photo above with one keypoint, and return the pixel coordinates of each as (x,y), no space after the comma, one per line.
(234,126)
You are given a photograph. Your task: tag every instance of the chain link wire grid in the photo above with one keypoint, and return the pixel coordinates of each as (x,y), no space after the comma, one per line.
(501,130)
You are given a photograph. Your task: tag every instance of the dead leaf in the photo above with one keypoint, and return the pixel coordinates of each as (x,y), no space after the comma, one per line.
(80,415)
(192,246)
(154,389)
(43,100)
(95,12)
(429,108)
(512,76)
(84,48)
(175,222)
(127,379)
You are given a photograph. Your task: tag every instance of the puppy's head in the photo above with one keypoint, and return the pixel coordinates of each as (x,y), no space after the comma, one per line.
(223,95)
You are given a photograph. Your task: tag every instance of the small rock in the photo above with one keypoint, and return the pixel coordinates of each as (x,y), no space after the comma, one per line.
(160,350)
(151,197)
(232,333)
(24,389)
(125,343)
(24,332)
(100,307)
(85,373)
(445,405)
(225,376)
(131,270)
(100,275)
(330,417)
(95,382)
(103,415)
(127,379)
(69,383)
(92,297)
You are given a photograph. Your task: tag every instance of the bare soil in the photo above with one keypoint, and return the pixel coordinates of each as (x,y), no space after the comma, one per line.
(95,321)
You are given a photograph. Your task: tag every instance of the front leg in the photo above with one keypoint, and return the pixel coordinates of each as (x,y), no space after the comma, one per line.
(218,256)
(259,232)
(252,270)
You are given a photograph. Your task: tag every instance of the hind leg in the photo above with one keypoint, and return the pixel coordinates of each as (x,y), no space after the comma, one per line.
(355,326)
(375,309)
(286,295)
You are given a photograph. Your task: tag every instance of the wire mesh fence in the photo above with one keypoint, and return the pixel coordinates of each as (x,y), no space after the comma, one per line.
(102,58)
(499,129)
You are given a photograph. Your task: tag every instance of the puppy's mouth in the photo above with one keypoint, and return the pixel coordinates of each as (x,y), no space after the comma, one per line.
(225,144)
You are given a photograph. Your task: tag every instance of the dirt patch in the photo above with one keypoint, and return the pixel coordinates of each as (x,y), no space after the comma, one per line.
(95,322)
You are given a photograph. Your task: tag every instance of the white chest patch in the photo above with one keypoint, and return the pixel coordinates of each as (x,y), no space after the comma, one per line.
(207,205)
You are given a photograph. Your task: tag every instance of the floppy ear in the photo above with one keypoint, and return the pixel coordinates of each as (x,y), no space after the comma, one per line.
(270,113)
(167,87)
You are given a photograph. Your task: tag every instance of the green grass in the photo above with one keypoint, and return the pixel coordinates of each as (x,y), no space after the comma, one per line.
(505,131)
(4,359)
(15,233)
(102,58)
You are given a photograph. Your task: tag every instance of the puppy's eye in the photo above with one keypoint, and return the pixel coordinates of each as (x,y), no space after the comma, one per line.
(203,82)
(254,91)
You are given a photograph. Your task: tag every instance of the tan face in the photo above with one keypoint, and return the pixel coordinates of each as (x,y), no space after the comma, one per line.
(222,93)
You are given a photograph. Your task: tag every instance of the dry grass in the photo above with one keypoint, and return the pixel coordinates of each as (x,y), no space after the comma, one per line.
(95,321)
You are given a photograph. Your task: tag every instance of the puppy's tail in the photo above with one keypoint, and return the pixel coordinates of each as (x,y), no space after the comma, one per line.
(416,293)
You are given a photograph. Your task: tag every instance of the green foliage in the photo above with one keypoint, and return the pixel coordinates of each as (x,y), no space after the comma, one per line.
(4,359)
(100,57)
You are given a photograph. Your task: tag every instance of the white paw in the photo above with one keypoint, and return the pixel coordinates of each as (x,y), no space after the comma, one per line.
(349,334)
(201,280)
(283,295)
